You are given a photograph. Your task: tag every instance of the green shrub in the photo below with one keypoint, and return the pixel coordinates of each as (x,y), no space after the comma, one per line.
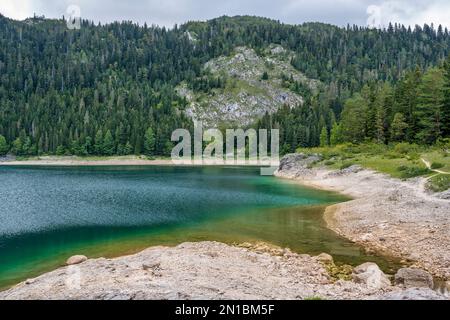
(392,155)
(329,163)
(439,183)
(406,148)
(437,165)
(412,172)
(413,156)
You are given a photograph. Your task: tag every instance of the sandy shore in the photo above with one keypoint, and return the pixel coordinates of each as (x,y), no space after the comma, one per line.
(388,216)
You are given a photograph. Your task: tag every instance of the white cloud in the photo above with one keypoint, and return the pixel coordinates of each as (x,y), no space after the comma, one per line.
(409,13)
(18,10)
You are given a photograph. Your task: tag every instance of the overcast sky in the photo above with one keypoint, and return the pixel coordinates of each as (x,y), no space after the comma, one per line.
(169,12)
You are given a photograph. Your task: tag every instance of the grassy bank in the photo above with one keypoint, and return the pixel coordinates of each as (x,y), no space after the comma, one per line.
(401,161)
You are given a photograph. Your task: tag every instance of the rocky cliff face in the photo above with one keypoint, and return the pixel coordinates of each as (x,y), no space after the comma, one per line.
(247,96)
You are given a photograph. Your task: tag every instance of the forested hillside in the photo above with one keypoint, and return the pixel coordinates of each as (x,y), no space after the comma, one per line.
(111,89)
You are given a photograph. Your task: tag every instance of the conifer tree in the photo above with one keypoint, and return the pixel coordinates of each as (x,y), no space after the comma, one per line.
(108,144)
(4,148)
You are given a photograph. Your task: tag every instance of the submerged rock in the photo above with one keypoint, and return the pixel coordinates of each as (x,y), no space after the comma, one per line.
(414,278)
(325,258)
(370,274)
(76,260)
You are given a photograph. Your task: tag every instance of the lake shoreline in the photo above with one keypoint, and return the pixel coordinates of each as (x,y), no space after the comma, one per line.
(387,216)
(372,188)
(143,275)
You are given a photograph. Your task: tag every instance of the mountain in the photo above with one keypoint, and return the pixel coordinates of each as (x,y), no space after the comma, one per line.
(99,89)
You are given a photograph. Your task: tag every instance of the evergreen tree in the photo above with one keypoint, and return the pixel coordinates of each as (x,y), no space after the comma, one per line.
(430,107)
(108,144)
(17,148)
(324,141)
(98,146)
(446,100)
(128,149)
(60,150)
(336,135)
(149,142)
(354,119)
(3,146)
(399,127)
(383,103)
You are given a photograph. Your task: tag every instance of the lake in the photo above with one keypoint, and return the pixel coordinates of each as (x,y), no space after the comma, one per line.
(48,214)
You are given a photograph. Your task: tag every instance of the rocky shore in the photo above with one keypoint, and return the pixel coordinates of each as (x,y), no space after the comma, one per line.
(210,270)
(387,215)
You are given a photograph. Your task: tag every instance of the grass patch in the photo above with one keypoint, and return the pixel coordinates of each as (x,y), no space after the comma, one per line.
(412,172)
(437,165)
(314,298)
(401,161)
(439,183)
(438,157)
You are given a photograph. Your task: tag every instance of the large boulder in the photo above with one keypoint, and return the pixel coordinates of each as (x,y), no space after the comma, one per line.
(414,278)
(76,260)
(370,275)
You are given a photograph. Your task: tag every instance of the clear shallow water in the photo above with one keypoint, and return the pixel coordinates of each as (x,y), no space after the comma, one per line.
(48,214)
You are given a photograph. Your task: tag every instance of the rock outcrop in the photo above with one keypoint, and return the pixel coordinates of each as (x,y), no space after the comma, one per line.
(245,96)
(298,165)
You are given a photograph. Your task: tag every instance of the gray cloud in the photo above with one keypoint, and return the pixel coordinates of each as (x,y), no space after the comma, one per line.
(169,12)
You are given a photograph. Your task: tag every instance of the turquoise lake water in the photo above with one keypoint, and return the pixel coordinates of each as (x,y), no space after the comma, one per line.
(48,214)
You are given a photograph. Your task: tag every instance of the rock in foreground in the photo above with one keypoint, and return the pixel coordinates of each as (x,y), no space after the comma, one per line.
(205,270)
(371,275)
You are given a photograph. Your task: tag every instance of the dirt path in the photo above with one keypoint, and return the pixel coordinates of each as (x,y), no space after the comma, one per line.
(428,165)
